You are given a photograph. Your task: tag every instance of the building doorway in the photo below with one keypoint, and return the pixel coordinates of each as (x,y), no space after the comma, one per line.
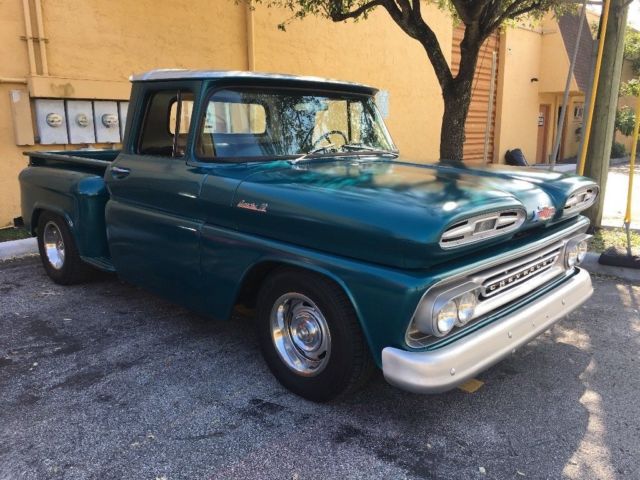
(543,133)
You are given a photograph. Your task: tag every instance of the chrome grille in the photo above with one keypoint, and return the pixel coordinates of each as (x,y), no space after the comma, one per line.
(482,227)
(542,266)
(516,273)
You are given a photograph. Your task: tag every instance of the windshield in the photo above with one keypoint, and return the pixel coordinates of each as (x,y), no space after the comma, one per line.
(241,123)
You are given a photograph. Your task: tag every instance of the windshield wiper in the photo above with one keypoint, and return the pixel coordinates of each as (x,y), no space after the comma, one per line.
(366,148)
(312,151)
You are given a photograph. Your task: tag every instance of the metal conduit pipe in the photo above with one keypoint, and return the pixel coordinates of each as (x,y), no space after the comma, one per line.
(22,81)
(42,41)
(251,59)
(29,37)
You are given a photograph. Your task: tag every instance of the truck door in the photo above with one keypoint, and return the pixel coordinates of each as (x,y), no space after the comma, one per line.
(154,216)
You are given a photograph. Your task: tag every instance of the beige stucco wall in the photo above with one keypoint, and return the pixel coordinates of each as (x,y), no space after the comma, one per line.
(516,125)
(554,58)
(108,41)
(534,51)
(91,39)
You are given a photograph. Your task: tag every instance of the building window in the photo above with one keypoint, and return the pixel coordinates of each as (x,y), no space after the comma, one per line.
(578,111)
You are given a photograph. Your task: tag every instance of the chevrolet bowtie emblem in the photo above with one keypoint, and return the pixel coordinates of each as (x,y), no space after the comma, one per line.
(544,213)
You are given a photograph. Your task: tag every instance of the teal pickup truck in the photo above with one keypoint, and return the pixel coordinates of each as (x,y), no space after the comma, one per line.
(286,194)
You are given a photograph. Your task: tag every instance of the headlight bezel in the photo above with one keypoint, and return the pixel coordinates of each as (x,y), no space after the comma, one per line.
(575,250)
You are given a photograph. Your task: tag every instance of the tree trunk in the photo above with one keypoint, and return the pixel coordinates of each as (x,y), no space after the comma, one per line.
(457,99)
(604,112)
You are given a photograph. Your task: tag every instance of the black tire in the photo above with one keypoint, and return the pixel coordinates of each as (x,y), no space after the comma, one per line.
(72,269)
(349,364)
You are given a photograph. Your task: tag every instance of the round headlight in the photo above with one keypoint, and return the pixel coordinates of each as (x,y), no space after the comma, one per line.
(571,255)
(466,307)
(446,318)
(582,251)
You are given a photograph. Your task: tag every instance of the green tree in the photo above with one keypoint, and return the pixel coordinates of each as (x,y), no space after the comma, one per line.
(625,120)
(480,17)
(632,49)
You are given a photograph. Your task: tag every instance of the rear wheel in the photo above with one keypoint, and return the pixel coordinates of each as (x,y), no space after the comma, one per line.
(310,335)
(58,250)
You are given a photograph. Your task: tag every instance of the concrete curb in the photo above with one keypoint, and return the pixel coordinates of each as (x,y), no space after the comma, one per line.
(591,264)
(18,248)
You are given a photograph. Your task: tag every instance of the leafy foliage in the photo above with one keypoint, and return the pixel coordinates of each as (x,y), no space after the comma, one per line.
(630,88)
(625,121)
(618,150)
(632,49)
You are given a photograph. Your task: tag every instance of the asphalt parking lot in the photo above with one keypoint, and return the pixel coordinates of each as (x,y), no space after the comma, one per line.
(104,381)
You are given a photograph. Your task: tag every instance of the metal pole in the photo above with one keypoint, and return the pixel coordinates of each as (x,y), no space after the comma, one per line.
(594,89)
(632,163)
(492,87)
(565,98)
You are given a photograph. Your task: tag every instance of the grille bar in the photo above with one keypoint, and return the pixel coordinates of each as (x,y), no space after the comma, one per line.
(518,274)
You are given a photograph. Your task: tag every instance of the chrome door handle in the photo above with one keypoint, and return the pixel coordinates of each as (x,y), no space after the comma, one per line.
(119,172)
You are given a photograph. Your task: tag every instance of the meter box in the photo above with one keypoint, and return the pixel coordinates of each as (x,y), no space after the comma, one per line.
(80,121)
(123,108)
(51,121)
(105,117)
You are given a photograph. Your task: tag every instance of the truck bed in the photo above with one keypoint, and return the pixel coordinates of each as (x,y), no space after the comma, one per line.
(95,161)
(71,184)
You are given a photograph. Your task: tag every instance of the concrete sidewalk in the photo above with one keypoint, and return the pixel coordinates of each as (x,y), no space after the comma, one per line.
(18,248)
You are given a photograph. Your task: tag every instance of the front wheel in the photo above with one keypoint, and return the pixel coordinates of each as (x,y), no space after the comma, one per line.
(310,336)
(58,250)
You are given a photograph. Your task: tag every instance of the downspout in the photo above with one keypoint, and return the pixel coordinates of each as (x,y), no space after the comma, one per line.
(42,40)
(29,37)
(567,87)
(251,61)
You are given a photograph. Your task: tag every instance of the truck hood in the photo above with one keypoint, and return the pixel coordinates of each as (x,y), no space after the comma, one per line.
(391,212)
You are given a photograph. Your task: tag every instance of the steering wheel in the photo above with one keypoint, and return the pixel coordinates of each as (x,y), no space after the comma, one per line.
(325,136)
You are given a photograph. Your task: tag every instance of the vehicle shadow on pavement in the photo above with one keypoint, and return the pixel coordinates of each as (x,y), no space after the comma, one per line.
(106,380)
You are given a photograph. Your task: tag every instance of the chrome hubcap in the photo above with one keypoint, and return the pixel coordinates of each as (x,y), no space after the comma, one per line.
(53,245)
(300,334)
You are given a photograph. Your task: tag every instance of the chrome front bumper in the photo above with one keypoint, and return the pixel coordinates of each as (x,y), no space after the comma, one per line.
(444,368)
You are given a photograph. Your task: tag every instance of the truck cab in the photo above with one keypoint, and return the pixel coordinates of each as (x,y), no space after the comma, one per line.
(287,194)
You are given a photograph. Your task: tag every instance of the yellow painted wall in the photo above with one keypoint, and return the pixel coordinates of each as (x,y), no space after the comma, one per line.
(517,109)
(93,39)
(555,61)
(375,52)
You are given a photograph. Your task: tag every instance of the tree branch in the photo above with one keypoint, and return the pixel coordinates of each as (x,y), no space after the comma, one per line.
(337,14)
(512,12)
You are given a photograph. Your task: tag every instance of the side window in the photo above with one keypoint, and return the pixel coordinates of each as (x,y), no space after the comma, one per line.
(166,124)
